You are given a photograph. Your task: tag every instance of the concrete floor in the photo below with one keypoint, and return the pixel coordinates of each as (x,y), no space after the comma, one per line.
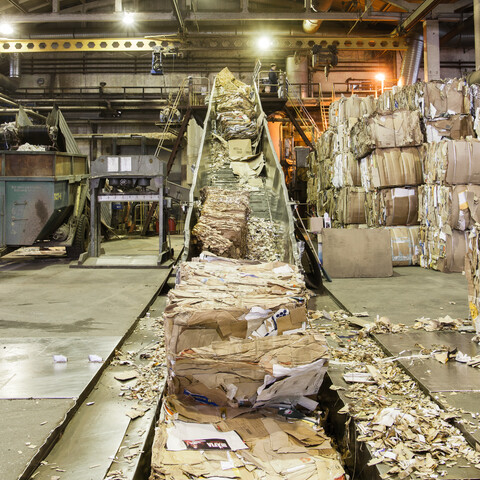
(411,293)
(46,309)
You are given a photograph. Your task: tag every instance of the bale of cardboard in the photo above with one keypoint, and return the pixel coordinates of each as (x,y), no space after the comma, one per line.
(392,167)
(392,206)
(400,128)
(405,243)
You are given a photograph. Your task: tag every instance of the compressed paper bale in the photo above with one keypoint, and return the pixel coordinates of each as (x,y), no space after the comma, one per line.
(231,373)
(409,97)
(454,206)
(392,206)
(346,171)
(453,162)
(272,446)
(350,205)
(398,129)
(392,167)
(191,328)
(235,107)
(386,102)
(454,127)
(443,249)
(445,97)
(405,243)
(222,227)
(472,273)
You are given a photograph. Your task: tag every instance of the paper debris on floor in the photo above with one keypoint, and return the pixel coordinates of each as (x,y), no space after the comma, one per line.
(404,429)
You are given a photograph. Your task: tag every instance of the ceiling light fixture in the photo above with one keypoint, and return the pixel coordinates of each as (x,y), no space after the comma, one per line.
(264,43)
(128,18)
(380,77)
(6,28)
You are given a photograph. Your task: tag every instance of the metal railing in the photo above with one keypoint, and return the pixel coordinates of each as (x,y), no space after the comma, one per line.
(301,111)
(184,89)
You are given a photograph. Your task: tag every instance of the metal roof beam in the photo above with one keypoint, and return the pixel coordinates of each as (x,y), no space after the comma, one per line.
(17,6)
(416,16)
(194,43)
(178,15)
(201,17)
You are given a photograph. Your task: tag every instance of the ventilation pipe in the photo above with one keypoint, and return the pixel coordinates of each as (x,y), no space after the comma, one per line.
(411,61)
(311,26)
(10,84)
(15,65)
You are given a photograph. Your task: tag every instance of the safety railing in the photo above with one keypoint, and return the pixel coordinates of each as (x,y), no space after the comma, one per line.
(303,115)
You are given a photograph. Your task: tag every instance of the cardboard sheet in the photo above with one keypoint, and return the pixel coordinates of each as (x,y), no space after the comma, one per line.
(352,253)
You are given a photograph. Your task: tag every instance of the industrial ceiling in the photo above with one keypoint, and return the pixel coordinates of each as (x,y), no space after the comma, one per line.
(202,35)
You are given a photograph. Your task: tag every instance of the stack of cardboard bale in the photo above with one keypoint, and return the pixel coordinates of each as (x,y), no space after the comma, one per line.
(335,184)
(238,351)
(388,145)
(449,202)
(448,198)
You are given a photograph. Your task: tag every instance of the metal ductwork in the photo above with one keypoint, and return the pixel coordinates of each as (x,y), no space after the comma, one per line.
(311,26)
(411,61)
(14,65)
(10,84)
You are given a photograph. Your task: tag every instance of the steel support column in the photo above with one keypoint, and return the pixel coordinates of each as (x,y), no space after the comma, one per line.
(476,25)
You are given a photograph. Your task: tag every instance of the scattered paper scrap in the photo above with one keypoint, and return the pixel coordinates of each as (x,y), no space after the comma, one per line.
(125,376)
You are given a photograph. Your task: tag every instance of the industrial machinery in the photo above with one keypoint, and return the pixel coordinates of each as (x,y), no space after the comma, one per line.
(43,187)
(136,178)
(269,200)
(325,58)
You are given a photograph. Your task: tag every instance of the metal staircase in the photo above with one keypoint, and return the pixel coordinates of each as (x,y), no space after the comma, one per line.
(167,129)
(301,113)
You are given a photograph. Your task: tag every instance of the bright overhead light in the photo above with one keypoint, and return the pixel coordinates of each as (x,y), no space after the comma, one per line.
(264,43)
(128,18)
(6,28)
(380,77)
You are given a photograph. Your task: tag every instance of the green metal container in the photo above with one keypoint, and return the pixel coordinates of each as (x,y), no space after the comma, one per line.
(40,192)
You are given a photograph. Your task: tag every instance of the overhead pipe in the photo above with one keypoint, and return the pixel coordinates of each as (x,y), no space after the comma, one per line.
(411,61)
(311,26)
(10,84)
